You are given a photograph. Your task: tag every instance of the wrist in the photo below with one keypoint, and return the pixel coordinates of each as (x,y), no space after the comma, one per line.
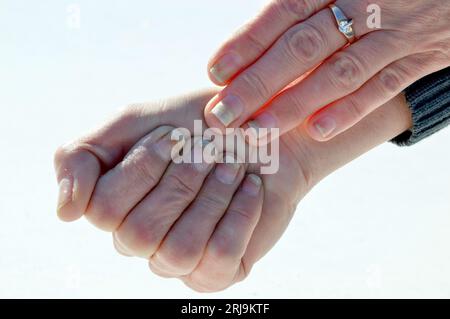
(319,159)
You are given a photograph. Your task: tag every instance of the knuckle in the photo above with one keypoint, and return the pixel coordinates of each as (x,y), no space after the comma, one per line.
(222,248)
(354,108)
(141,162)
(67,152)
(390,80)
(146,173)
(254,42)
(299,9)
(102,214)
(244,215)
(346,72)
(296,106)
(443,51)
(138,239)
(304,43)
(179,187)
(211,203)
(255,81)
(180,256)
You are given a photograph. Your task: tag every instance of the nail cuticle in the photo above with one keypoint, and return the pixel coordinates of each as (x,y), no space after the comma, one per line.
(225,67)
(252,184)
(228,110)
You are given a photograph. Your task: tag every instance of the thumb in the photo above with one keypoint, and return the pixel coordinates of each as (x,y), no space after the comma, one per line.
(79,164)
(77,171)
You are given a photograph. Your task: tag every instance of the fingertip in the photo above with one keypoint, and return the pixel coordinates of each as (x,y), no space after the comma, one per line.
(225,110)
(68,214)
(211,119)
(314,135)
(77,172)
(214,76)
(223,68)
(322,129)
(252,185)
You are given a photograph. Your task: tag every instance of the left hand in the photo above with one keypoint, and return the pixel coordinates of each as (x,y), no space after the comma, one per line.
(344,83)
(189,223)
(202,224)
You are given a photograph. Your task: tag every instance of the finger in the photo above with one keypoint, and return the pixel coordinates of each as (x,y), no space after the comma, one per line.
(254,38)
(121,188)
(183,247)
(79,164)
(222,260)
(77,169)
(119,248)
(148,223)
(299,50)
(345,113)
(342,74)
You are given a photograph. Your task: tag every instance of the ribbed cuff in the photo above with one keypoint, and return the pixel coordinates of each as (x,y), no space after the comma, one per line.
(429,100)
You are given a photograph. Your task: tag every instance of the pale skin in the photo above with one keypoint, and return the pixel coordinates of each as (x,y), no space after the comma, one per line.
(343,83)
(207,226)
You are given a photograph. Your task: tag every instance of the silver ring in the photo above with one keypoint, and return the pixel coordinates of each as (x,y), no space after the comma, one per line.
(345,25)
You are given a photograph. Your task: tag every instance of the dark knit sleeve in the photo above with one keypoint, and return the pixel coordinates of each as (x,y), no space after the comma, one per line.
(429,100)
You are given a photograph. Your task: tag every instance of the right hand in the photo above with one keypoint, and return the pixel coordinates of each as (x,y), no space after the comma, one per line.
(343,83)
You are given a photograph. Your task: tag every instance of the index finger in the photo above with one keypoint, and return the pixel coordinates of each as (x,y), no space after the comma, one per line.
(258,35)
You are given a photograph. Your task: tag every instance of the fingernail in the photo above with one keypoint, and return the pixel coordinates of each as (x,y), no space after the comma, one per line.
(228,171)
(325,126)
(65,192)
(228,65)
(228,110)
(252,184)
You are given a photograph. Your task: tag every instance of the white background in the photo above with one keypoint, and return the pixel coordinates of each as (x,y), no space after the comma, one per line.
(380,227)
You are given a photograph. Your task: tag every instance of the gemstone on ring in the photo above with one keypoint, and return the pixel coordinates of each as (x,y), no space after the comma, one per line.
(346,26)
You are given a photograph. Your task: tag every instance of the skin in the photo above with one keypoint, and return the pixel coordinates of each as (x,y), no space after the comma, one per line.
(343,84)
(190,222)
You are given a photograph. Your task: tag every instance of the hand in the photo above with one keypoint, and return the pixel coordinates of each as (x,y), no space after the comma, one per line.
(189,221)
(204,225)
(343,84)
